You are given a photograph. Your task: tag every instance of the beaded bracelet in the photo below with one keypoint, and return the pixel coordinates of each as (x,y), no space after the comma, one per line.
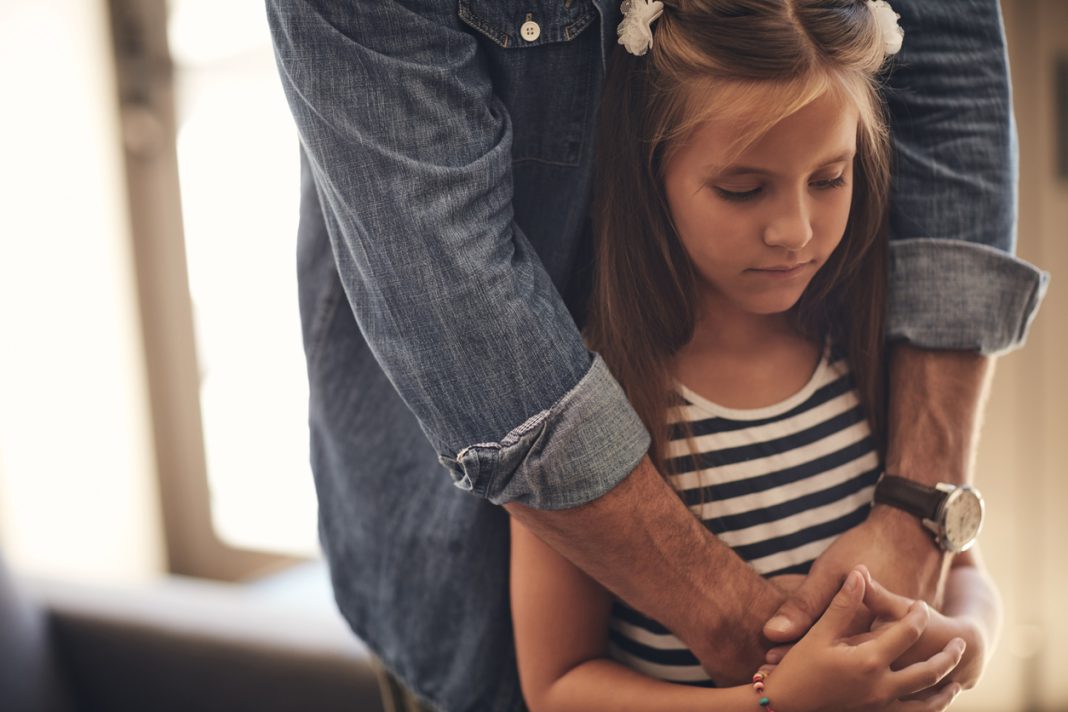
(758,687)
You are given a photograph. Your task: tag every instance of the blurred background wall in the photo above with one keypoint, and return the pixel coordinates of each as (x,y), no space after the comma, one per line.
(152,396)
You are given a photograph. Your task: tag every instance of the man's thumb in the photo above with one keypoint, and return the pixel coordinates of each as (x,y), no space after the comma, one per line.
(797,614)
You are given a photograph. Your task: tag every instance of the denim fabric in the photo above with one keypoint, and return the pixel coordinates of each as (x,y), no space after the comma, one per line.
(443,259)
(992,299)
(453,277)
(953,283)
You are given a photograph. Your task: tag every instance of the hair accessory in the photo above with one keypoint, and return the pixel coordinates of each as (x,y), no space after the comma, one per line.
(887,21)
(636,30)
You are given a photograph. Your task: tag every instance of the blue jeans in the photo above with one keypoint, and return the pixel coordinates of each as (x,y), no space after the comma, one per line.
(442,260)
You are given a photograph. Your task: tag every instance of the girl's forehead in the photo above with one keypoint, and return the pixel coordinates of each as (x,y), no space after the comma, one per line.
(825,128)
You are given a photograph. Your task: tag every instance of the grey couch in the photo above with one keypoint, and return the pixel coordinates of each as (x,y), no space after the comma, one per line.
(179,645)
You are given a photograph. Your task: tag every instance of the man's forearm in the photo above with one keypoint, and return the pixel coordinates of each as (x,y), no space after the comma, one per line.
(936,404)
(642,543)
(936,400)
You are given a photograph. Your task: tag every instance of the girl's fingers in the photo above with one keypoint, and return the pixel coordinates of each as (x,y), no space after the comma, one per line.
(927,673)
(883,603)
(932,701)
(893,640)
(836,619)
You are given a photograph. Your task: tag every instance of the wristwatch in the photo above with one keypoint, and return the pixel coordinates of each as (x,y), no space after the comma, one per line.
(952,513)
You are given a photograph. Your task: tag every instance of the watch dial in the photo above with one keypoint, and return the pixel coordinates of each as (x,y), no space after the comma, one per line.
(963,518)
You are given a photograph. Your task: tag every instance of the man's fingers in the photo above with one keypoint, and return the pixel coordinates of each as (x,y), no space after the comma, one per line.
(776,654)
(928,673)
(801,609)
(896,638)
(788,583)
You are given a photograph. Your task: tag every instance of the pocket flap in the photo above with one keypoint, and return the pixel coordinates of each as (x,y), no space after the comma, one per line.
(553,20)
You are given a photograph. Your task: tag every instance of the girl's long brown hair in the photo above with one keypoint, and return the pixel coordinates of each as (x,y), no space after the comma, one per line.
(756,61)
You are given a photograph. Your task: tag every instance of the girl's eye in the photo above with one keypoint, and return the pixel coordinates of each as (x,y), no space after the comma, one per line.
(831,182)
(741,196)
(736,196)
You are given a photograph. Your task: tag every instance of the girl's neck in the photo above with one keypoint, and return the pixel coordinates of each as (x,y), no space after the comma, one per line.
(745,361)
(727,330)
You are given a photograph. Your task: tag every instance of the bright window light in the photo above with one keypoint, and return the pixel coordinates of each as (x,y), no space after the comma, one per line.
(239,174)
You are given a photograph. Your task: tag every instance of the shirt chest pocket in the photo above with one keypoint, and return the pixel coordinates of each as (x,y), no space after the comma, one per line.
(542,61)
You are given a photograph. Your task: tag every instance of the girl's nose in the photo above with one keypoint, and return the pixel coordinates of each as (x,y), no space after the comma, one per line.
(789,227)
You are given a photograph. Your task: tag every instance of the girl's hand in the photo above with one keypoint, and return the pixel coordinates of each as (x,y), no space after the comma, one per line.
(888,606)
(830,669)
(935,699)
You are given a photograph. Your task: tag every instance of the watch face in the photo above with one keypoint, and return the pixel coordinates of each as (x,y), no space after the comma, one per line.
(963,517)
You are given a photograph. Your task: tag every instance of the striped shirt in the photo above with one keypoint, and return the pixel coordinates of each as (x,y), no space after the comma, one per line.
(776,484)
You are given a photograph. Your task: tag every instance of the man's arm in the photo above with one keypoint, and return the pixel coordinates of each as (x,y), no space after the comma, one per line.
(935,413)
(410,148)
(641,542)
(957,294)
(935,416)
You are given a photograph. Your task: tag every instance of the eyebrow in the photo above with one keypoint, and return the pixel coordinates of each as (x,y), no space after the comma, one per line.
(743,170)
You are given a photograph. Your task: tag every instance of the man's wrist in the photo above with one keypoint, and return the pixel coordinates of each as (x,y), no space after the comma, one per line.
(743,633)
(899,523)
(914,542)
(928,476)
(953,513)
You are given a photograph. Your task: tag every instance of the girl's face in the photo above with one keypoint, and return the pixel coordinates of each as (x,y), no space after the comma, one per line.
(758,229)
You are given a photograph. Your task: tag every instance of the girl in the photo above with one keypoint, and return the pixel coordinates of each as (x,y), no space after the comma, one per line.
(739,207)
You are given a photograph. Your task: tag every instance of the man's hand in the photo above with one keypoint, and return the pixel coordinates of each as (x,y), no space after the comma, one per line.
(894,547)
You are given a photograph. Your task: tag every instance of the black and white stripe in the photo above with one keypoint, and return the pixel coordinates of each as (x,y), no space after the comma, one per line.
(776,484)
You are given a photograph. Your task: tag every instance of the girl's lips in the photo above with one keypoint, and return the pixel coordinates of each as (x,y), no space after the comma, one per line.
(782,271)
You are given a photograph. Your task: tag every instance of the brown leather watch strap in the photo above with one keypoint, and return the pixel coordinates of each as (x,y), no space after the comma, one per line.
(908,495)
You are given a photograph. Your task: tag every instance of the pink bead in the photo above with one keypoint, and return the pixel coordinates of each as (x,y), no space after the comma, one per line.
(758,677)
(758,686)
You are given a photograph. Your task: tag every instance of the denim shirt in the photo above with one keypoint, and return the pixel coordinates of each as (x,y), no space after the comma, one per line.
(443,258)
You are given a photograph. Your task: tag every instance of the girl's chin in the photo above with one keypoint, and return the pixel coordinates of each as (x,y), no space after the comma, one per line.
(769,304)
(766,302)
(773,310)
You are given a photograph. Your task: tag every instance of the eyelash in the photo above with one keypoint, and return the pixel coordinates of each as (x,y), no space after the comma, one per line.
(750,194)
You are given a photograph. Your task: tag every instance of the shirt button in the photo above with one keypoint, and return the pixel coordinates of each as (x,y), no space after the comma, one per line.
(530,30)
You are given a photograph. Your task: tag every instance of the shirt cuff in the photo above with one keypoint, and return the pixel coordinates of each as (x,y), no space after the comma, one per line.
(567,455)
(952,294)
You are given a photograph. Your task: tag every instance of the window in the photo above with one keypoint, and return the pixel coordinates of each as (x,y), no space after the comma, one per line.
(239,178)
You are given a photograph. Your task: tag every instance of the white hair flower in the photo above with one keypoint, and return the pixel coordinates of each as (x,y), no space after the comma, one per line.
(887,19)
(635,32)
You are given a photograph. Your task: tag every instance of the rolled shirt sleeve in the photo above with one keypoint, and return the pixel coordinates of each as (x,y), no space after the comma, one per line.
(410,151)
(954,280)
(952,294)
